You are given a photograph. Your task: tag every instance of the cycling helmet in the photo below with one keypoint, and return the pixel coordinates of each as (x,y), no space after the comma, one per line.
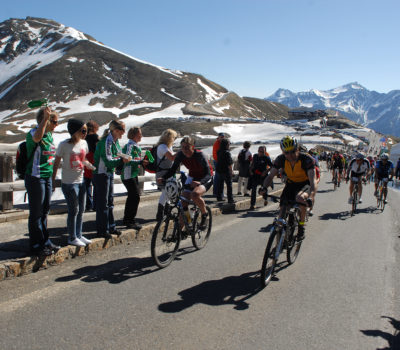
(172,189)
(359,156)
(384,156)
(288,143)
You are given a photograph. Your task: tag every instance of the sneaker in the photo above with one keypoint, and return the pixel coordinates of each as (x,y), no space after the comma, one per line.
(203,223)
(52,246)
(376,193)
(85,240)
(116,232)
(350,201)
(239,193)
(252,207)
(76,242)
(360,200)
(385,201)
(246,195)
(300,233)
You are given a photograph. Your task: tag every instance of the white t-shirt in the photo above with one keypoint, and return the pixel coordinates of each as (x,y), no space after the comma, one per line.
(165,163)
(73,157)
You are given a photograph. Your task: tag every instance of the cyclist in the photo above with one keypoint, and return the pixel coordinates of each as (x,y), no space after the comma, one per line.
(337,163)
(359,168)
(199,179)
(301,182)
(372,167)
(384,167)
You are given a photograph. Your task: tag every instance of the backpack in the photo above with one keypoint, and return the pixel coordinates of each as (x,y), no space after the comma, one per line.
(22,160)
(152,167)
(242,156)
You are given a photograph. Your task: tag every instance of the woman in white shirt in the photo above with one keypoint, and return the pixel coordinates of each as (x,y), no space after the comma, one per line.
(165,159)
(73,153)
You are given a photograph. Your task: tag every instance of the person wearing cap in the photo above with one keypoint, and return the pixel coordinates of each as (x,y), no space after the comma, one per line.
(73,153)
(216,146)
(359,169)
(39,169)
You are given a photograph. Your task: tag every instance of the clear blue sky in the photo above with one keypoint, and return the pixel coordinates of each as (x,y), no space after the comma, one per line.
(252,47)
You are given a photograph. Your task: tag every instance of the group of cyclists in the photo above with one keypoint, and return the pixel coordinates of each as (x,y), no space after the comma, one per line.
(361,169)
(300,170)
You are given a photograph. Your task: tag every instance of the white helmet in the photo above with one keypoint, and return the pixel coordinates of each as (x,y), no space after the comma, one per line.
(384,156)
(172,189)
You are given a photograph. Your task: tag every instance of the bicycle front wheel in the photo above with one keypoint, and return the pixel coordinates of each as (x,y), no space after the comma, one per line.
(270,258)
(293,245)
(165,242)
(354,204)
(200,235)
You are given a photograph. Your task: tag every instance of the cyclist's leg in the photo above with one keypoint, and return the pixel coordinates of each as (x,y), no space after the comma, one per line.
(360,188)
(376,185)
(197,198)
(385,183)
(301,197)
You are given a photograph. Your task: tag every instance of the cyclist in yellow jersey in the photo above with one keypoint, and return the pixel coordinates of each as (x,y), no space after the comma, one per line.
(301,184)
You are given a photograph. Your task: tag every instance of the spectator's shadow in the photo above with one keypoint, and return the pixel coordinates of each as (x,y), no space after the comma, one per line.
(393,338)
(116,271)
(235,290)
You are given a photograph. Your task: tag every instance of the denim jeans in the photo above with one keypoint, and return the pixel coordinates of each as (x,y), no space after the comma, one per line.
(90,194)
(39,196)
(104,187)
(75,196)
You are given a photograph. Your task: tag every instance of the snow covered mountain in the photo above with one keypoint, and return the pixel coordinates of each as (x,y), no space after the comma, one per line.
(81,77)
(378,111)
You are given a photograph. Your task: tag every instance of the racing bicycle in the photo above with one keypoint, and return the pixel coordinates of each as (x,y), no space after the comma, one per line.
(382,194)
(177,225)
(284,235)
(354,195)
(336,182)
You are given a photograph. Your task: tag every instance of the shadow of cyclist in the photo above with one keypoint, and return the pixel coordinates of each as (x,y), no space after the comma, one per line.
(235,290)
(392,338)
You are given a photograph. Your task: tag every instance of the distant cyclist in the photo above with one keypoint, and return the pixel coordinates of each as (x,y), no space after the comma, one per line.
(337,163)
(358,169)
(383,168)
(199,179)
(301,183)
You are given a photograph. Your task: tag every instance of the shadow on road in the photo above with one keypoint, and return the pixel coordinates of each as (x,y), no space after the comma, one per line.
(392,339)
(235,290)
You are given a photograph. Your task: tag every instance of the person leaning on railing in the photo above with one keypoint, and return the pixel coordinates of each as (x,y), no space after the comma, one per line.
(40,152)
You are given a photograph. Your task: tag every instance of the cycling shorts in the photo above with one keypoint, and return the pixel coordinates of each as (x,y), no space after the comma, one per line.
(339,166)
(207,185)
(384,177)
(291,190)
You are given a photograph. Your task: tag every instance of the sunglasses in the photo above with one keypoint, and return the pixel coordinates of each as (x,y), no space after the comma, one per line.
(83,131)
(55,122)
(290,152)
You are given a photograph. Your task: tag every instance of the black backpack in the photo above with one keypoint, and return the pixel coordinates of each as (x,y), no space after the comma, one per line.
(242,156)
(22,160)
(152,167)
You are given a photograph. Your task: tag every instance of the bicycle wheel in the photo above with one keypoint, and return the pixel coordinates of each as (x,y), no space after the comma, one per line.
(200,237)
(270,258)
(355,202)
(293,245)
(379,200)
(165,241)
(334,180)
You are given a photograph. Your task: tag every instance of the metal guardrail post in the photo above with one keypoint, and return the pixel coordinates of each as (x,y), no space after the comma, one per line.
(6,175)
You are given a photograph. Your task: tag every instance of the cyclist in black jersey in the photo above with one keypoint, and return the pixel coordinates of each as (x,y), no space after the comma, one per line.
(199,179)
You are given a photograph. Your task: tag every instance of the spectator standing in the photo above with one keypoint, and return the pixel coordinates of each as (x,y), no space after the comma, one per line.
(73,152)
(216,145)
(244,159)
(129,177)
(258,171)
(106,158)
(224,170)
(40,152)
(165,159)
(92,138)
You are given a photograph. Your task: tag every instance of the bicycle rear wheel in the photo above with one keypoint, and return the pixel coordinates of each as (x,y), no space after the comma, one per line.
(270,259)
(200,237)
(293,245)
(165,242)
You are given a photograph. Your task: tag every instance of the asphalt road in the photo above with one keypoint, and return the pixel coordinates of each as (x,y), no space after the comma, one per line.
(342,292)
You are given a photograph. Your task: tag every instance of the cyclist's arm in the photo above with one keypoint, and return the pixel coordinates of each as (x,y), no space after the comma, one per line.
(313,182)
(274,171)
(175,165)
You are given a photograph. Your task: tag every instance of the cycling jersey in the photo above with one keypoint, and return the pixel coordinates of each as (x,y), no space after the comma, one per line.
(383,170)
(106,157)
(358,170)
(297,173)
(197,164)
(338,161)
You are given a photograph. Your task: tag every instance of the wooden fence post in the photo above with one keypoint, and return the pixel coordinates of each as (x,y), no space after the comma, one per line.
(6,175)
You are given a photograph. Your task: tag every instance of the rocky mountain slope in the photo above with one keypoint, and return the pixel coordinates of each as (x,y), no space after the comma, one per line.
(81,77)
(378,111)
